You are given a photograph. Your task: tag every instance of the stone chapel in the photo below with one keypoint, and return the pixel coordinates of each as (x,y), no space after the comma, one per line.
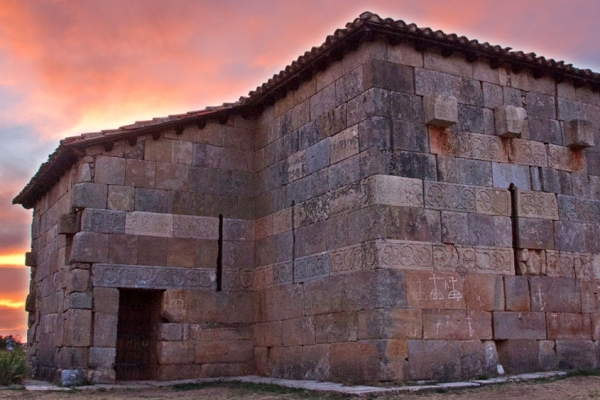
(396,204)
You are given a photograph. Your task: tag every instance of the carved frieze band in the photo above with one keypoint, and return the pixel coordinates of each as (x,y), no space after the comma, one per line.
(144,277)
(447,196)
(488,148)
(537,205)
(170,225)
(566,159)
(494,260)
(392,254)
(577,209)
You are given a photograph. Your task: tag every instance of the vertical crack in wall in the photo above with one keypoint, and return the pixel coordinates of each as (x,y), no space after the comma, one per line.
(293,205)
(220,256)
(514,223)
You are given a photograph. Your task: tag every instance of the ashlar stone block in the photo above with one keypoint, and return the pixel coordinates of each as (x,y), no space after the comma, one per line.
(579,133)
(537,205)
(457,324)
(509,121)
(440,110)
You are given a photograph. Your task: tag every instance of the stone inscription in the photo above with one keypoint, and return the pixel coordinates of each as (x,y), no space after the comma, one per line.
(576,209)
(446,196)
(127,276)
(537,205)
(435,290)
(491,260)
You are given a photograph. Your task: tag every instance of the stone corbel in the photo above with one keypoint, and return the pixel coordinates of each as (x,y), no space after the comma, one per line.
(579,133)
(440,111)
(509,121)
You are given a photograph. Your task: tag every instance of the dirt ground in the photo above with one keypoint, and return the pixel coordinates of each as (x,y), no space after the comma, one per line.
(554,389)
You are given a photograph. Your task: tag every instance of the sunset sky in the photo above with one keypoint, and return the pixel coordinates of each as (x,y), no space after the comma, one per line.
(69,67)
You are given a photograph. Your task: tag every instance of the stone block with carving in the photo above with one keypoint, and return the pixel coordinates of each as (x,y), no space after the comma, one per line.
(509,121)
(457,324)
(440,111)
(579,133)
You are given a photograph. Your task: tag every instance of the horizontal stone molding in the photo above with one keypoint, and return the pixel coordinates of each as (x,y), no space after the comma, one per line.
(273,275)
(464,198)
(528,152)
(489,148)
(481,259)
(312,267)
(144,277)
(563,264)
(536,205)
(467,145)
(566,159)
(577,209)
(170,225)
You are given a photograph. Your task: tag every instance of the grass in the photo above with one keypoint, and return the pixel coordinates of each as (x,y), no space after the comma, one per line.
(13,365)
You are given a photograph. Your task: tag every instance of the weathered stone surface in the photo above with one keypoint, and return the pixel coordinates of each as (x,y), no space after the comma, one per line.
(536,205)
(519,356)
(110,275)
(399,254)
(106,300)
(78,329)
(577,209)
(103,221)
(72,377)
(480,259)
(531,262)
(434,359)
(69,224)
(89,247)
(566,159)
(527,152)
(509,120)
(337,327)
(535,233)
(457,324)
(390,324)
(149,224)
(516,289)
(519,325)
(92,195)
(102,357)
(435,290)
(105,329)
(590,297)
(121,198)
(578,133)
(576,354)
(395,191)
(467,145)
(484,292)
(569,326)
(109,170)
(555,294)
(505,174)
(440,110)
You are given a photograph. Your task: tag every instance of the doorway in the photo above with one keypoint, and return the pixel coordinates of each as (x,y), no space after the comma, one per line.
(139,316)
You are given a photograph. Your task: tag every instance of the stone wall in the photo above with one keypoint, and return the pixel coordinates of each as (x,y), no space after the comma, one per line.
(400,215)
